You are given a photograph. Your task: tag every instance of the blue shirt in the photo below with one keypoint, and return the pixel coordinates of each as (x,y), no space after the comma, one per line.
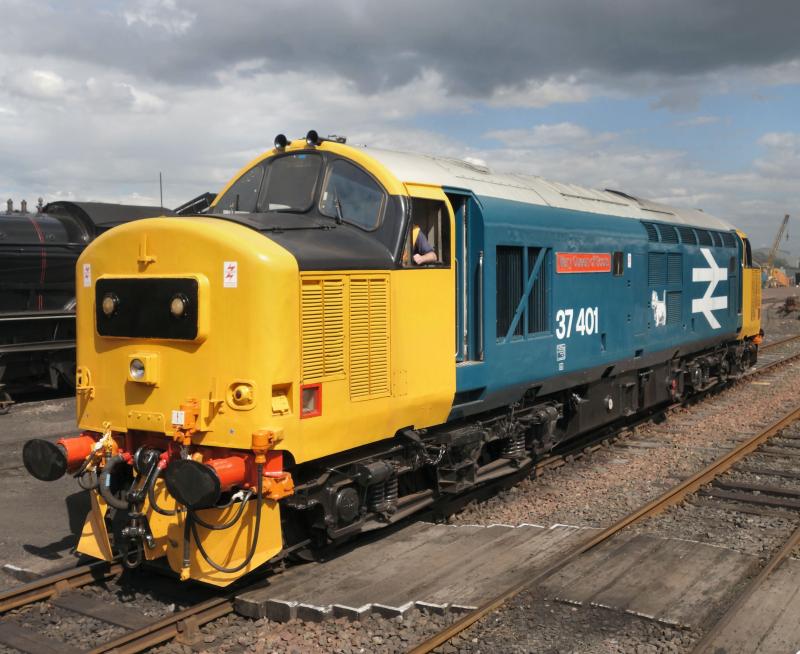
(421,245)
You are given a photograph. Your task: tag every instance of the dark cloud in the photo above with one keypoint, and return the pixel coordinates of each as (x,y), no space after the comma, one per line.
(475,45)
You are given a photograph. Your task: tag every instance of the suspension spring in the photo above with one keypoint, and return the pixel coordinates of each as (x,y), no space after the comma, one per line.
(381,497)
(515,448)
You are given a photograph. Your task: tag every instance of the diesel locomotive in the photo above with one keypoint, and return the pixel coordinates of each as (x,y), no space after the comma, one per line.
(282,372)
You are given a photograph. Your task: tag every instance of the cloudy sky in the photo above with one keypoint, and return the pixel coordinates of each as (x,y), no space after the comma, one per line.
(690,102)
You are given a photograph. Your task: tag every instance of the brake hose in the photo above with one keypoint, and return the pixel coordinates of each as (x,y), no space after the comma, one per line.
(151,495)
(230,522)
(192,521)
(104,484)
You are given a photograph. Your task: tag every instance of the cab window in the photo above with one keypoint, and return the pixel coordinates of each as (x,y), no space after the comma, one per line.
(428,232)
(243,195)
(291,183)
(351,195)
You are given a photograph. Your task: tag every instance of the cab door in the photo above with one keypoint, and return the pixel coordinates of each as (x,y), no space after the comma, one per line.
(469,257)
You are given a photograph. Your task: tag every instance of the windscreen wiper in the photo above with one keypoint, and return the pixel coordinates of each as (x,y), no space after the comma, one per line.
(338,205)
(276,228)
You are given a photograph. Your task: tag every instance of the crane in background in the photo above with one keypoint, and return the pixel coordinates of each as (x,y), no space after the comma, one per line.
(775,276)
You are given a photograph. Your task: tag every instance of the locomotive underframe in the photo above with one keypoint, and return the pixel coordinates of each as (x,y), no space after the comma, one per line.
(373,487)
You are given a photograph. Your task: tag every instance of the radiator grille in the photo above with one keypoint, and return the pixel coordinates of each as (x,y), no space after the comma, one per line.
(674,269)
(652,232)
(668,234)
(687,235)
(322,308)
(369,337)
(755,297)
(703,237)
(728,240)
(673,307)
(657,269)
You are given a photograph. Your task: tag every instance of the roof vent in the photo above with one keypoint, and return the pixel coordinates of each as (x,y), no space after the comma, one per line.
(622,194)
(478,165)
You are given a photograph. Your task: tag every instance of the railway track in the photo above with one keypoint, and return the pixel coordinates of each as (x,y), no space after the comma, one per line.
(711,475)
(138,632)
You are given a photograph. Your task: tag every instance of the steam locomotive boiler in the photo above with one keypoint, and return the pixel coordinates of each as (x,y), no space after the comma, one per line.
(38,253)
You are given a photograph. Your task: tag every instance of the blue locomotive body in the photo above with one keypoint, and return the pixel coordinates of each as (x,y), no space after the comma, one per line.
(570,294)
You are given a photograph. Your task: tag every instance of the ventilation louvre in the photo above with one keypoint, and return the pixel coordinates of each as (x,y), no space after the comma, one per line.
(322,331)
(728,240)
(369,337)
(652,232)
(668,234)
(755,297)
(687,235)
(657,269)
(703,237)
(674,311)
(674,269)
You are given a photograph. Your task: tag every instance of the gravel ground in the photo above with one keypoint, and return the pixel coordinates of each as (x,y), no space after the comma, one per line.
(719,522)
(530,623)
(775,321)
(234,634)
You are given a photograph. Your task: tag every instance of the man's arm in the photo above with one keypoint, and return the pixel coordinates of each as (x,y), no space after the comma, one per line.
(428,257)
(424,252)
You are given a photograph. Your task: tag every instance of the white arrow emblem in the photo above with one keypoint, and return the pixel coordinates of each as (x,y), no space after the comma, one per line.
(713,275)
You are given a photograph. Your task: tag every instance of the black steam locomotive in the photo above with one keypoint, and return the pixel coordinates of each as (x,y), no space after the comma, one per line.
(38,251)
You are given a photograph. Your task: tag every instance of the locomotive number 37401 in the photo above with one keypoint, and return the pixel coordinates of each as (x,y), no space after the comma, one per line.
(586,324)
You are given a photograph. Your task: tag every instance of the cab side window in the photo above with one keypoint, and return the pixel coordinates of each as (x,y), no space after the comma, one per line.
(428,237)
(351,195)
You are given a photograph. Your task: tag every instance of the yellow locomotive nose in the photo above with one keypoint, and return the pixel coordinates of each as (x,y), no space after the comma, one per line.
(179,353)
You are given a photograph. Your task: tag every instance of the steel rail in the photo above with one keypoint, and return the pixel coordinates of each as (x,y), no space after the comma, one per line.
(167,628)
(783,341)
(57,583)
(672,496)
(733,609)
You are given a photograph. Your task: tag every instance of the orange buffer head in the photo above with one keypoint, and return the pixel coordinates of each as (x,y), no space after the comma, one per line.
(49,461)
(198,485)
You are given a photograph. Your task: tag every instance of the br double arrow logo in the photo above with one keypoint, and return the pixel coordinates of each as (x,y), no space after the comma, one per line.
(713,275)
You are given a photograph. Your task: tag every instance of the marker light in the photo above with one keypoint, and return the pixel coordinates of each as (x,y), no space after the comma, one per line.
(137,369)
(281,142)
(110,304)
(178,305)
(312,138)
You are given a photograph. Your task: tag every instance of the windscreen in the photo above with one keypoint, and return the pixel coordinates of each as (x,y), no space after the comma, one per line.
(285,183)
(290,184)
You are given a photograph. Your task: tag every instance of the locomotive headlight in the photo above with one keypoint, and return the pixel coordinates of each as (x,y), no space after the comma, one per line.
(110,304)
(143,368)
(137,369)
(178,305)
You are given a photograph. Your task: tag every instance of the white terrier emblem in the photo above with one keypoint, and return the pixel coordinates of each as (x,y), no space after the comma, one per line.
(659,309)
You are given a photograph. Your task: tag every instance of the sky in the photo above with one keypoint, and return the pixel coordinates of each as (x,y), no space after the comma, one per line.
(693,103)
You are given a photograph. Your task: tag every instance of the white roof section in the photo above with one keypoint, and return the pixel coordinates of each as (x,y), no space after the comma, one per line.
(427,169)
